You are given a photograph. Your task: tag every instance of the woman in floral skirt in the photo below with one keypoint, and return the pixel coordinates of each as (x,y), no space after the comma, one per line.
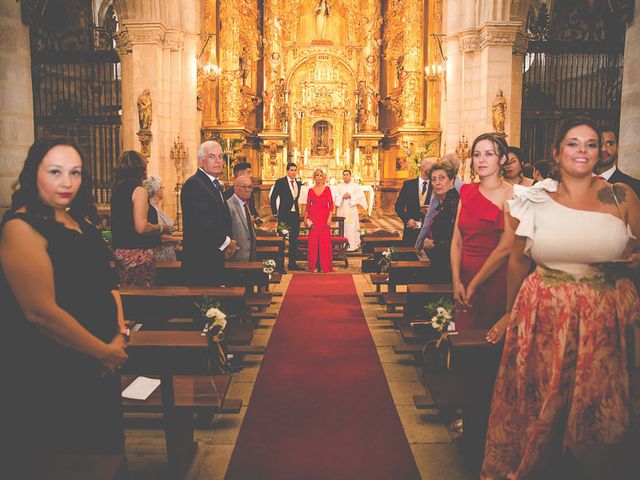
(563,375)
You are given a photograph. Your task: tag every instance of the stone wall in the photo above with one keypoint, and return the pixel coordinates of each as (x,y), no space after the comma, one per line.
(16,100)
(629,153)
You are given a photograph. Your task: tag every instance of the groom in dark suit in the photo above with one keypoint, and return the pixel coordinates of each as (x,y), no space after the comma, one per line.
(412,202)
(206,220)
(608,164)
(287,190)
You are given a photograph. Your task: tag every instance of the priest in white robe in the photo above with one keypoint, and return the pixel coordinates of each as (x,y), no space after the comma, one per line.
(347,197)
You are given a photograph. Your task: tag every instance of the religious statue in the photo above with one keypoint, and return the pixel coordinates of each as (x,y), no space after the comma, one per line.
(244,62)
(269,102)
(274,63)
(499,110)
(370,70)
(144,111)
(367,107)
(281,92)
(322,15)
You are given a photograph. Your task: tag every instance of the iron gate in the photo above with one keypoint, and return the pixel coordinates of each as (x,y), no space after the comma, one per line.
(77,91)
(572,67)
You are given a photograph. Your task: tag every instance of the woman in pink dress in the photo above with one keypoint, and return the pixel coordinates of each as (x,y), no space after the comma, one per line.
(563,376)
(318,220)
(478,249)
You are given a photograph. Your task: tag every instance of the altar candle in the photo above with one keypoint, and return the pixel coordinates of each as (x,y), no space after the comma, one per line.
(337,156)
(347,160)
(228,144)
(306,155)
(295,155)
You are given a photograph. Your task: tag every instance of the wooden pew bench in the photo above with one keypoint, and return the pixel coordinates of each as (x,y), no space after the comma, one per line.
(469,387)
(172,308)
(179,396)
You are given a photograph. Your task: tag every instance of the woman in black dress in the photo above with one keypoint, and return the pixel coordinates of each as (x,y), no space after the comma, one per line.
(134,225)
(438,241)
(63,324)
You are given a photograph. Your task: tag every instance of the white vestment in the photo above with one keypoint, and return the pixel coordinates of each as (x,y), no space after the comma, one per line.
(348,208)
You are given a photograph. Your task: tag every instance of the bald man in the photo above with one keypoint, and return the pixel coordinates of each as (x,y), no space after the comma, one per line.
(242,230)
(413,201)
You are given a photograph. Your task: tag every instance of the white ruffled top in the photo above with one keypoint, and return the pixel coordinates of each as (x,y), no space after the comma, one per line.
(563,238)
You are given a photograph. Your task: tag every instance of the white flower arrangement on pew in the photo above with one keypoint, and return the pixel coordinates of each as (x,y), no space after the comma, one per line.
(269,266)
(283,229)
(437,353)
(215,320)
(442,312)
(388,256)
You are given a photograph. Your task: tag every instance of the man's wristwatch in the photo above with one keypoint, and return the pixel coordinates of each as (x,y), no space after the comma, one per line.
(126,332)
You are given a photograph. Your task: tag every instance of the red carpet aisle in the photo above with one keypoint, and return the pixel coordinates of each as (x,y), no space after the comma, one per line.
(321,407)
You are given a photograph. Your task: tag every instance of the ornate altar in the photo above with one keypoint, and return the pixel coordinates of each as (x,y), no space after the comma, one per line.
(316,84)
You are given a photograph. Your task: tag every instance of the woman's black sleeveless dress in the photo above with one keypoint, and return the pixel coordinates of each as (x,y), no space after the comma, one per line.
(58,399)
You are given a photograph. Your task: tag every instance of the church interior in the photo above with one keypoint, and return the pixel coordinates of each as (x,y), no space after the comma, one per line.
(374,87)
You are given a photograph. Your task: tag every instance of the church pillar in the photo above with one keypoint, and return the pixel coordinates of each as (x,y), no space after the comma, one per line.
(484,55)
(628,154)
(159,54)
(16,99)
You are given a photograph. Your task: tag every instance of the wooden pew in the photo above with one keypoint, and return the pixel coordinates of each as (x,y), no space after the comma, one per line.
(73,467)
(158,307)
(371,241)
(469,387)
(179,396)
(414,327)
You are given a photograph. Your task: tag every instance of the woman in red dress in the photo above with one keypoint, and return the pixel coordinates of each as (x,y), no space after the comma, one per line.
(478,248)
(318,220)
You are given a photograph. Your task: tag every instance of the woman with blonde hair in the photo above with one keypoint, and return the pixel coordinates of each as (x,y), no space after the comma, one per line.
(318,220)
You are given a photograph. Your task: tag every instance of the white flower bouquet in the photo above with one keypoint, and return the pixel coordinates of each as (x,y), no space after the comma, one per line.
(269,266)
(214,319)
(388,256)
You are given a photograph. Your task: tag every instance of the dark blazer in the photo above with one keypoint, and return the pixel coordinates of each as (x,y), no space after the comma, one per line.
(228,193)
(206,223)
(408,207)
(281,189)
(619,177)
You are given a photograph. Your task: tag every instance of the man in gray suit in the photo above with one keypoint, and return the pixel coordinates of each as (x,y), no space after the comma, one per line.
(242,230)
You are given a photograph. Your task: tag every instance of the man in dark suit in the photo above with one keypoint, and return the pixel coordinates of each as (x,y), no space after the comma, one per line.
(284,204)
(206,220)
(413,201)
(608,165)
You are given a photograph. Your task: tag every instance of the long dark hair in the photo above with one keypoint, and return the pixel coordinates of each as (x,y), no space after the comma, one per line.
(500,146)
(130,170)
(25,190)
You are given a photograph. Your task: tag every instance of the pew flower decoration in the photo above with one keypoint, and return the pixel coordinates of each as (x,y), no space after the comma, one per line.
(363,232)
(269,266)
(283,229)
(388,256)
(441,312)
(437,352)
(215,320)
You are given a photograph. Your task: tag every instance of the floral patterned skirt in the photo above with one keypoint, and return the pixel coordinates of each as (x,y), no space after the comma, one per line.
(563,374)
(136,266)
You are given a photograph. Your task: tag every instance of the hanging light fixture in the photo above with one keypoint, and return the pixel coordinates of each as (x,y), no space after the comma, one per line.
(211,70)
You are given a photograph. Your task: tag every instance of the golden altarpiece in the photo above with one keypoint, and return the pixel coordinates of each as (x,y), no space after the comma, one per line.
(329,84)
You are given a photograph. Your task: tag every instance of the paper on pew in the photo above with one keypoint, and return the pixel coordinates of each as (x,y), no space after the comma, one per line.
(141,388)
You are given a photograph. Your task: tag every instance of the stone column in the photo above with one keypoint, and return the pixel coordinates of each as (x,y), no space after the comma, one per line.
(16,98)
(628,154)
(481,61)
(158,53)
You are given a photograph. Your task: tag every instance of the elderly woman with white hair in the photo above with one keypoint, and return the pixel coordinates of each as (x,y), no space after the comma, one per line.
(166,251)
